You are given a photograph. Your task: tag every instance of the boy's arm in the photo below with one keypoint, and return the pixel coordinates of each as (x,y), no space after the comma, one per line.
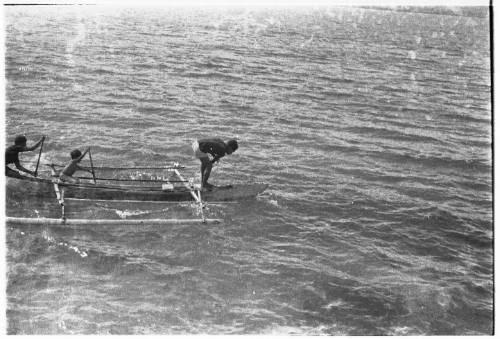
(84,153)
(80,158)
(21,168)
(80,168)
(35,146)
(217,157)
(215,147)
(218,150)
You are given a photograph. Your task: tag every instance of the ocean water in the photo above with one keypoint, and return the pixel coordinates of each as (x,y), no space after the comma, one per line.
(372,128)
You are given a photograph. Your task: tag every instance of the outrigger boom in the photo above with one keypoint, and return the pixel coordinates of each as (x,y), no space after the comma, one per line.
(54,221)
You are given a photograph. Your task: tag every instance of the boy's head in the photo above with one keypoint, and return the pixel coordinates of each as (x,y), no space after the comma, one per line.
(20,140)
(232,145)
(75,154)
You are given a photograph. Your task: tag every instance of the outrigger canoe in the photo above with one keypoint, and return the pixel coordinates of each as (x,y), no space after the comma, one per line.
(173,189)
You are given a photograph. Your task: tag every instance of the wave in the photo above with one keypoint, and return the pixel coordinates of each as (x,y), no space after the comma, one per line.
(445,228)
(385,88)
(392,133)
(332,79)
(467,118)
(211,75)
(352,303)
(107,71)
(47,244)
(445,162)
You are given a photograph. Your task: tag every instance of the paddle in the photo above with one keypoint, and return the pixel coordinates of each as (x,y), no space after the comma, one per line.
(39,156)
(92,166)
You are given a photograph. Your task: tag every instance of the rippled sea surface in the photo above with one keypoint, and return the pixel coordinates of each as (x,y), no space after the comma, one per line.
(372,128)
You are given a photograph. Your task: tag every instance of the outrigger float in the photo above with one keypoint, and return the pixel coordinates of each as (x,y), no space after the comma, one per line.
(131,187)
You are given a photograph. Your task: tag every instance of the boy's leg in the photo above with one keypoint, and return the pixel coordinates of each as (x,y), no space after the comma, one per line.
(12,173)
(202,170)
(206,165)
(67,178)
(203,157)
(206,169)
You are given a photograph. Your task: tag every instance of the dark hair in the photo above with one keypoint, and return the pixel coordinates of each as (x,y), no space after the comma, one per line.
(75,154)
(20,140)
(233,144)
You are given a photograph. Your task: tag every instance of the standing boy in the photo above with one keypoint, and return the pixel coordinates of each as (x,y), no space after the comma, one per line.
(217,148)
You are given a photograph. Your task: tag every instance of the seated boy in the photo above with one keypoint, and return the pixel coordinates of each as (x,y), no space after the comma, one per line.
(12,156)
(72,166)
(215,147)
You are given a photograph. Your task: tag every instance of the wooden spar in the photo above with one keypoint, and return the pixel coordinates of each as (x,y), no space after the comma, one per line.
(56,189)
(162,202)
(59,196)
(92,166)
(39,156)
(52,221)
(170,168)
(195,195)
(131,180)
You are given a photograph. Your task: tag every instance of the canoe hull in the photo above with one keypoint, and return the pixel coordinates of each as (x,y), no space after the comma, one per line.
(41,187)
